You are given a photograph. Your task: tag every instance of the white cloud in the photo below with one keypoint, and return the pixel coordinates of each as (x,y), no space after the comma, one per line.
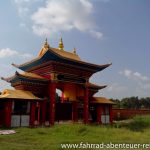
(117,88)
(96,34)
(133,75)
(141,77)
(141,83)
(66,15)
(58,16)
(24,6)
(7,52)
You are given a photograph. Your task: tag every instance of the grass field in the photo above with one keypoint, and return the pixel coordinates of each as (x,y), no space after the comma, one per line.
(52,138)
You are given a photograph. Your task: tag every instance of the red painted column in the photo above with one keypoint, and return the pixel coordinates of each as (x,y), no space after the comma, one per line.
(74,111)
(62,97)
(43,112)
(111,114)
(99,113)
(86,106)
(8,111)
(52,93)
(32,113)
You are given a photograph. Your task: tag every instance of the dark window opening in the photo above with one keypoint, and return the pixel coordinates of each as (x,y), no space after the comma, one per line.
(21,108)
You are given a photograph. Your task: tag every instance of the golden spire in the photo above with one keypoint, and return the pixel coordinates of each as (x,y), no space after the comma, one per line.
(61,45)
(74,51)
(46,45)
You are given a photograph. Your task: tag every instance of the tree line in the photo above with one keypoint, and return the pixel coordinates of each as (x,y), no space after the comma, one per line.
(132,103)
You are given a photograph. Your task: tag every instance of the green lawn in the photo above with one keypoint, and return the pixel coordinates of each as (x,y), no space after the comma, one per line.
(52,138)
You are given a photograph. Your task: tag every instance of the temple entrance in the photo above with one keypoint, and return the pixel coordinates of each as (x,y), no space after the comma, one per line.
(20,114)
(63,111)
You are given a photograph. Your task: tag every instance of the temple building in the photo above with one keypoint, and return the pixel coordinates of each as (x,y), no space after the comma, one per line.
(34,101)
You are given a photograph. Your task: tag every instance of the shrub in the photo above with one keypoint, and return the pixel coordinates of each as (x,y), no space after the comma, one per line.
(139,123)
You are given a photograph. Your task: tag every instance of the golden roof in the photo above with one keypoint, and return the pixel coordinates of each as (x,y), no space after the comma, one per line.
(61,53)
(18,94)
(101,100)
(66,54)
(25,74)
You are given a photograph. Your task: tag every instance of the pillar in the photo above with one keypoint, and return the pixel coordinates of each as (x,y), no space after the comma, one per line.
(62,97)
(32,113)
(86,106)
(43,111)
(74,111)
(99,114)
(8,111)
(52,93)
(38,107)
(110,114)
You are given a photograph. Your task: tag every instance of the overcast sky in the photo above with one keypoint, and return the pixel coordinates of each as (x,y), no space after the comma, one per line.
(102,31)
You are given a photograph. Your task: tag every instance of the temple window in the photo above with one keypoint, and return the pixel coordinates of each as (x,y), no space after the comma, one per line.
(21,108)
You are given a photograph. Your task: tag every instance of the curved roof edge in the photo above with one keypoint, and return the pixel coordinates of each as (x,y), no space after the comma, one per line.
(63,55)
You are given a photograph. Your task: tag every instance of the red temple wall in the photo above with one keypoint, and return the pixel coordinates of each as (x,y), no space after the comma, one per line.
(128,113)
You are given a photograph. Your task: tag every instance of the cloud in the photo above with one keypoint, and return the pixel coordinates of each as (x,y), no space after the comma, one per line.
(66,15)
(96,34)
(58,16)
(133,75)
(24,7)
(141,82)
(141,77)
(7,52)
(117,88)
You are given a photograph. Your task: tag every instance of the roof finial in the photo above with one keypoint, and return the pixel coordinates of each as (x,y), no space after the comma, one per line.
(74,51)
(46,45)
(61,45)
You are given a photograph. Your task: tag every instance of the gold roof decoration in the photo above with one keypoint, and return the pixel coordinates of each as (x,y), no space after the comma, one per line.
(61,45)
(44,48)
(18,94)
(74,51)
(46,45)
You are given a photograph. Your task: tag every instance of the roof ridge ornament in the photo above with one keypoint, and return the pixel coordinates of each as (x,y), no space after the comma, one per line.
(74,51)
(46,45)
(61,45)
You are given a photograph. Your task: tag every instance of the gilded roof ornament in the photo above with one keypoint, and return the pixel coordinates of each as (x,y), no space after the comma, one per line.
(74,51)
(46,45)
(61,45)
